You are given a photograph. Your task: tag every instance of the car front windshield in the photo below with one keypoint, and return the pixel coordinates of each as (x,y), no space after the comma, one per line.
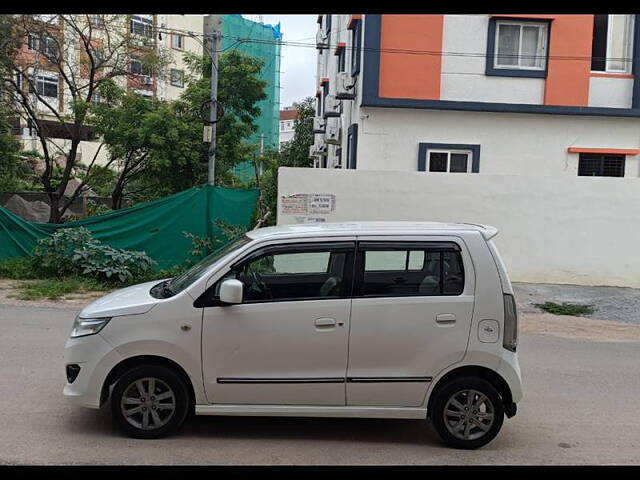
(179,283)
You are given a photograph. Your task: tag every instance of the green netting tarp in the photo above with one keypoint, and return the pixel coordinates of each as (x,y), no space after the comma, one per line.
(153,227)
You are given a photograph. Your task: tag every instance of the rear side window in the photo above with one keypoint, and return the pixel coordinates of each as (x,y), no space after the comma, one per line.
(421,270)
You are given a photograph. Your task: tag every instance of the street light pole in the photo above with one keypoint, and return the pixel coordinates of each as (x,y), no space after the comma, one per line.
(213,25)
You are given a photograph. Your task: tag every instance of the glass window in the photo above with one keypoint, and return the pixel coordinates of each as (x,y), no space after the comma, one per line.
(412,272)
(44,44)
(449,161)
(46,86)
(521,45)
(177,78)
(177,41)
(137,67)
(141,25)
(341,59)
(356,47)
(96,20)
(293,275)
(612,47)
(179,283)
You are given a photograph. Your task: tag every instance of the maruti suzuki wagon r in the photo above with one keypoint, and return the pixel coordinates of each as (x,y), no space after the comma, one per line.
(364,319)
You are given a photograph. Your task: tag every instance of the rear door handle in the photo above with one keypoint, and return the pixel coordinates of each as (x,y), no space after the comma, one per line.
(445,318)
(325,323)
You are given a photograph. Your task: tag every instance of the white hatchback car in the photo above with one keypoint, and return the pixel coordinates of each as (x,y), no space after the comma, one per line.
(384,320)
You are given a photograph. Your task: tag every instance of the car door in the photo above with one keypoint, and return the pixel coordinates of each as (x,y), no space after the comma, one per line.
(287,342)
(410,318)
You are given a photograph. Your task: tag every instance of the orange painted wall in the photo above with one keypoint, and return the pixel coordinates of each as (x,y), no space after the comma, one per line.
(409,75)
(568,80)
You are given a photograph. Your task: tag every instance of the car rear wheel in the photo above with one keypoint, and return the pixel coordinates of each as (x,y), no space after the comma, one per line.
(467,413)
(150,401)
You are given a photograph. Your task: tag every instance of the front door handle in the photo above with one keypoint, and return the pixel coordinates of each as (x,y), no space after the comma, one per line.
(325,322)
(445,319)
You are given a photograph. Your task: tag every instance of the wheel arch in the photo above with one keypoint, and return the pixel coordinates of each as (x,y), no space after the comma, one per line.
(127,364)
(485,373)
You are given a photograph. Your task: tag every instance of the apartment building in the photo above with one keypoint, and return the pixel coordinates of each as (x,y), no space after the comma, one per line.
(125,40)
(287,124)
(552,95)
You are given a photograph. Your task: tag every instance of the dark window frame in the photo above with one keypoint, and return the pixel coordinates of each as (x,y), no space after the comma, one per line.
(423,149)
(491,70)
(356,47)
(352,147)
(146,30)
(341,60)
(601,158)
(145,70)
(347,246)
(171,78)
(426,246)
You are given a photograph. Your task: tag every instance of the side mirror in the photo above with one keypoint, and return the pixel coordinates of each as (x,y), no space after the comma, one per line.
(231,291)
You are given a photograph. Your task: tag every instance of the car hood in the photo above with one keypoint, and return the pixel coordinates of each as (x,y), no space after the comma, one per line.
(132,300)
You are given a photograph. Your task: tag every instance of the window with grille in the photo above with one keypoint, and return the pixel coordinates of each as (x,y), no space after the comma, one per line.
(595,165)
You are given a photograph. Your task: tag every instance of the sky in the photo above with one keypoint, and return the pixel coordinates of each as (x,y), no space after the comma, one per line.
(298,64)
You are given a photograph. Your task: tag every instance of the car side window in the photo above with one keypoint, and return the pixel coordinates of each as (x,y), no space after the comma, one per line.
(292,275)
(412,271)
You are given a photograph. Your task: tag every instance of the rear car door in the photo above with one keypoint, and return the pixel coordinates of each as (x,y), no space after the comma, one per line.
(410,318)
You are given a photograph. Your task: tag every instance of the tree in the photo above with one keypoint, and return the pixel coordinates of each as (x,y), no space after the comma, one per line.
(44,55)
(11,165)
(239,91)
(295,153)
(157,147)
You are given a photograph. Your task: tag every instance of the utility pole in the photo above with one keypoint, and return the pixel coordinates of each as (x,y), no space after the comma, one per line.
(213,27)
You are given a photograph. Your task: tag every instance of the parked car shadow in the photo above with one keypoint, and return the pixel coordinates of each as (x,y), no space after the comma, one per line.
(417,432)
(317,429)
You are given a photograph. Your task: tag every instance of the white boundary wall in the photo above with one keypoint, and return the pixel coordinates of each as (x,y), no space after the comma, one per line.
(581,230)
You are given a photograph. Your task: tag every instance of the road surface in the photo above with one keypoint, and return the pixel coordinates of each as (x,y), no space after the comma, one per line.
(580,407)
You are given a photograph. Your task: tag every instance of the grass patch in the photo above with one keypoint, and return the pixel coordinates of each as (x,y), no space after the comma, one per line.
(565,308)
(55,288)
(17,268)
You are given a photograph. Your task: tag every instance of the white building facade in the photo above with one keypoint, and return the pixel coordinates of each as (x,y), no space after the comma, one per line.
(287,125)
(489,94)
(167,36)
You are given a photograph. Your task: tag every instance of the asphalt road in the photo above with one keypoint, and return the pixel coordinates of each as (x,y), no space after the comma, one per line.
(580,406)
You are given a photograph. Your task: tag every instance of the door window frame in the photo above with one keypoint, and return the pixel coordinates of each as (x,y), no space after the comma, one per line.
(207,299)
(444,245)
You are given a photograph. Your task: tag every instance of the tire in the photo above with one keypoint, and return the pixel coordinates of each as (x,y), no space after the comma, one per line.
(133,409)
(459,428)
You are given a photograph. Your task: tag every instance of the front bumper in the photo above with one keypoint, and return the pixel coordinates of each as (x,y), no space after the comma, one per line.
(96,358)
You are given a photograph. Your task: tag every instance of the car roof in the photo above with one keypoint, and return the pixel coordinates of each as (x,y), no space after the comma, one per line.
(328,229)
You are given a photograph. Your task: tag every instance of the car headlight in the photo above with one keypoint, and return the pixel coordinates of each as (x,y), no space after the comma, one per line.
(88,326)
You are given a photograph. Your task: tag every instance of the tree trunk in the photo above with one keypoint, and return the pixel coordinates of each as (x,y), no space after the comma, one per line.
(55,216)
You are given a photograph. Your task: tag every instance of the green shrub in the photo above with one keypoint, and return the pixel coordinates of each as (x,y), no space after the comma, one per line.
(74,252)
(107,263)
(54,255)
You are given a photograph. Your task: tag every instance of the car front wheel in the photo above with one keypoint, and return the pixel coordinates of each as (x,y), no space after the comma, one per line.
(150,401)
(467,413)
